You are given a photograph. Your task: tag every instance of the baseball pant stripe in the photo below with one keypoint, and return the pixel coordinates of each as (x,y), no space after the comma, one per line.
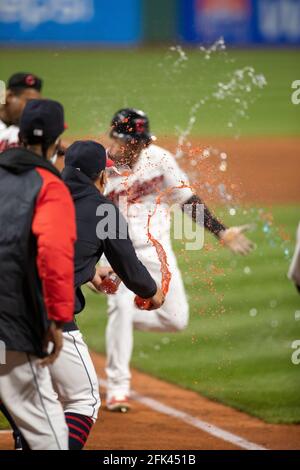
(87,373)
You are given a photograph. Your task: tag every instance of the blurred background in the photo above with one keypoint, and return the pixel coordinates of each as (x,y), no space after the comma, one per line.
(136,22)
(215,78)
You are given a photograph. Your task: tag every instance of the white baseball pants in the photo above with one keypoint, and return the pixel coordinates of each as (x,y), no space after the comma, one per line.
(27,392)
(74,377)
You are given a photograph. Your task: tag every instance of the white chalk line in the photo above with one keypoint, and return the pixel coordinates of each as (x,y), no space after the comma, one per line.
(192,420)
(211,429)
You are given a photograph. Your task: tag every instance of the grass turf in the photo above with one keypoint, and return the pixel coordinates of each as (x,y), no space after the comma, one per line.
(3,422)
(237,348)
(93,84)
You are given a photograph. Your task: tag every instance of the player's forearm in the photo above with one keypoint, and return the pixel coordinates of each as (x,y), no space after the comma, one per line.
(211,223)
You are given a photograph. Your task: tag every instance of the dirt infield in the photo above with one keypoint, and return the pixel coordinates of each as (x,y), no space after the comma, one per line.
(147,426)
(164,416)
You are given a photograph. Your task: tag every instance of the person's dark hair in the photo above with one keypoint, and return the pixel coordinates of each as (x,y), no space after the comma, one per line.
(95,176)
(26,141)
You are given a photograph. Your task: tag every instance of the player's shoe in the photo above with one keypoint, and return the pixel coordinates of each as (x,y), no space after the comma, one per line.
(18,442)
(118,403)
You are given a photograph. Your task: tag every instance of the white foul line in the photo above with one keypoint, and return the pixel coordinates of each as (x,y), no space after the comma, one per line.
(192,421)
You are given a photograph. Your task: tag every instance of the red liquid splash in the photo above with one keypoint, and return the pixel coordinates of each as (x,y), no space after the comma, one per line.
(145,304)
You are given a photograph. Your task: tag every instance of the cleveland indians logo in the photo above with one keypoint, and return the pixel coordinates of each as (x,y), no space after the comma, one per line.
(140,125)
(30,80)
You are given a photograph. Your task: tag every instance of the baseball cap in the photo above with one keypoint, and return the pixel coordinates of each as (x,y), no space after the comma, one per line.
(42,121)
(24,80)
(87,156)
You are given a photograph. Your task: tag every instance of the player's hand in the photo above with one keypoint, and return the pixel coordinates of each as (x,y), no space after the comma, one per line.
(97,280)
(100,273)
(54,335)
(236,241)
(157,300)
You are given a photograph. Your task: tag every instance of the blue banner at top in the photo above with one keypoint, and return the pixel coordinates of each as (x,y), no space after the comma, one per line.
(240,22)
(110,22)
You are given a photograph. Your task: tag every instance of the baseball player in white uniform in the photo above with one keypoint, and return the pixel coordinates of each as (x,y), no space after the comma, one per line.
(152,171)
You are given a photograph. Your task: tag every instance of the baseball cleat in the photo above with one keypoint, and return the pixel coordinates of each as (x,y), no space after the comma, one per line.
(18,443)
(120,404)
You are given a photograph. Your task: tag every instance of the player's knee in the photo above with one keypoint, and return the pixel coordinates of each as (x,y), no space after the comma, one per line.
(180,322)
(89,407)
(97,406)
(178,325)
(87,403)
(96,403)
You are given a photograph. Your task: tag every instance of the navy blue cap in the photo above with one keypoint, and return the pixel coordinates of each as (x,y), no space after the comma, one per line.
(87,156)
(24,80)
(42,121)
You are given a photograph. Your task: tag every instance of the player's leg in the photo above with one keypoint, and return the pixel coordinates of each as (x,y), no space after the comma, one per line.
(20,442)
(75,380)
(119,344)
(27,392)
(124,317)
(173,316)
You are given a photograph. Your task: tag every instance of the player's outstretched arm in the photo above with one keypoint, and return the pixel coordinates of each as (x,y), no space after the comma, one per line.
(233,237)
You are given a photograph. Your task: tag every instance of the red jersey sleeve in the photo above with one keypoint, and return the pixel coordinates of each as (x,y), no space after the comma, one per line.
(54,227)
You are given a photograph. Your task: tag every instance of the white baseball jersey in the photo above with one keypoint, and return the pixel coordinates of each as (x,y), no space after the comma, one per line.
(9,136)
(155,174)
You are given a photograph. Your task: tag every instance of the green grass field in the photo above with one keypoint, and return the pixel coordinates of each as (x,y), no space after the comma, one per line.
(237,348)
(94,84)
